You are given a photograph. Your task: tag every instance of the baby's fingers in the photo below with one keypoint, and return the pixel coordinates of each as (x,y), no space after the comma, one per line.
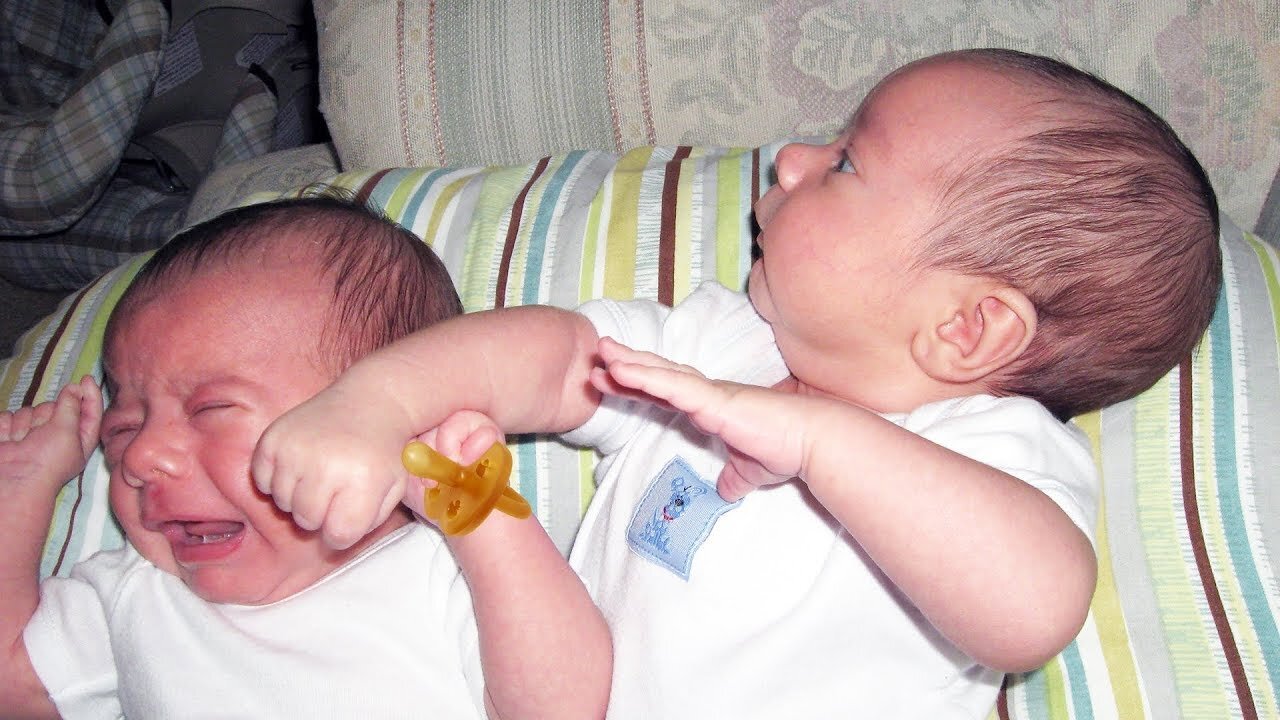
(680,387)
(44,412)
(732,486)
(463,436)
(611,352)
(19,423)
(90,419)
(278,472)
(309,508)
(742,475)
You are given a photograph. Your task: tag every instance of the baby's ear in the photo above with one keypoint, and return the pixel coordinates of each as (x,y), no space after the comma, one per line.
(981,335)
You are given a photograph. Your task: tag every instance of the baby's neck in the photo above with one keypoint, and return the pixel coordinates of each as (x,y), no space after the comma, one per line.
(882,403)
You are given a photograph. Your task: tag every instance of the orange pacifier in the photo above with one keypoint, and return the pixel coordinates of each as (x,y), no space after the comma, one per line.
(464,496)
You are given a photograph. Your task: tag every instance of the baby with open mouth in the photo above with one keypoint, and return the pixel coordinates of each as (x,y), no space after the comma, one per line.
(229,325)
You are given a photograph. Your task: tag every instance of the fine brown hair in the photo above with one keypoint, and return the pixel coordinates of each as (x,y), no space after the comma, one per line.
(386,282)
(1103,218)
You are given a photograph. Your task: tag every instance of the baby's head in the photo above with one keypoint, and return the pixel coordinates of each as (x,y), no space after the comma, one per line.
(230,324)
(993,222)
(380,281)
(1103,218)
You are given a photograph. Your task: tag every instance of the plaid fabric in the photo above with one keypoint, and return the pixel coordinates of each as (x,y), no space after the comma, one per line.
(74,199)
(129,218)
(69,114)
(43,57)
(58,153)
(135,213)
(250,128)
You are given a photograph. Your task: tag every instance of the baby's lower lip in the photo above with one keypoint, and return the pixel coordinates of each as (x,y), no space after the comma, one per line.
(204,541)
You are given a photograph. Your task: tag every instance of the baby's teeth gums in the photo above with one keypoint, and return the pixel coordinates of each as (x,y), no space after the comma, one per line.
(205,533)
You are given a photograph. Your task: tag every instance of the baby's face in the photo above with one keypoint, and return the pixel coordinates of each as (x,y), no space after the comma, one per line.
(197,375)
(839,232)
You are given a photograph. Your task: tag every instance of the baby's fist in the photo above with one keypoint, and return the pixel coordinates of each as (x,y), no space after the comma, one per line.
(333,469)
(50,443)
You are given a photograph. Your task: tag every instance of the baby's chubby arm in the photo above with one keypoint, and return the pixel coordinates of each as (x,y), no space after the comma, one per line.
(993,563)
(334,461)
(41,448)
(544,645)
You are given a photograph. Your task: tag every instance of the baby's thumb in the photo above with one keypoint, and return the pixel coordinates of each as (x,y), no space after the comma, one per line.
(90,419)
(732,486)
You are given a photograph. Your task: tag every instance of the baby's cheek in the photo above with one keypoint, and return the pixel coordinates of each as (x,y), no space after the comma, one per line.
(152,546)
(125,505)
(124,501)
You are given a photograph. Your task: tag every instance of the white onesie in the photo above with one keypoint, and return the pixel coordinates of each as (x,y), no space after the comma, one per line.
(767,608)
(389,634)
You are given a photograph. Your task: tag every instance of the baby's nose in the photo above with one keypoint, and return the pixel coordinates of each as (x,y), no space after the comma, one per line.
(151,458)
(797,161)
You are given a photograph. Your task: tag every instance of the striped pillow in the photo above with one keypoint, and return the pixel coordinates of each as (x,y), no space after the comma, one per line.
(1183,623)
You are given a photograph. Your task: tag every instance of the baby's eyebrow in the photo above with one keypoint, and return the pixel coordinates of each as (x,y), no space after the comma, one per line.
(868,128)
(860,119)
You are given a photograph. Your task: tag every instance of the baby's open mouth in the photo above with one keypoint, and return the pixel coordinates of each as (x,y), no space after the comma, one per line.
(202,532)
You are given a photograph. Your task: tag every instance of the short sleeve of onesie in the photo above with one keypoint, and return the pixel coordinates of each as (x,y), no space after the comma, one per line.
(1020,437)
(715,330)
(68,639)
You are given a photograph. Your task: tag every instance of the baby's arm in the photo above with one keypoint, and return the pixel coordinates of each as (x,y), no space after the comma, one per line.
(334,461)
(993,563)
(544,645)
(41,448)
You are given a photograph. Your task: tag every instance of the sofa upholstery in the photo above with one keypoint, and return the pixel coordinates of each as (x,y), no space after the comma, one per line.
(489,81)
(616,151)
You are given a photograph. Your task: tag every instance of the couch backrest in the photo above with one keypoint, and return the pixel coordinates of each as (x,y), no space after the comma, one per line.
(420,83)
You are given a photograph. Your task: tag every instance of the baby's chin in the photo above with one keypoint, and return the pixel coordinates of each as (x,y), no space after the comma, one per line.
(240,577)
(758,291)
(234,585)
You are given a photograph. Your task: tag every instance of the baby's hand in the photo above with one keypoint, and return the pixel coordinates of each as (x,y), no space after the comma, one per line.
(333,462)
(463,437)
(49,444)
(763,428)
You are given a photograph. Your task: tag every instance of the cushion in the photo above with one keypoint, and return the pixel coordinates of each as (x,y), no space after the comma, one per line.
(1184,621)
(415,82)
(227,186)
(1268,226)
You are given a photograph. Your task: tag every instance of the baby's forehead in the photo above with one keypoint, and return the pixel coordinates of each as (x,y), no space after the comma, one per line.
(236,302)
(229,284)
(1003,104)
(946,72)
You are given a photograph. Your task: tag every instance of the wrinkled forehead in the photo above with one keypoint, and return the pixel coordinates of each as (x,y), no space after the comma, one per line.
(262,292)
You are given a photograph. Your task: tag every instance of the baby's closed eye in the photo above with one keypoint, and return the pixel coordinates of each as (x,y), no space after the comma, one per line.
(209,407)
(115,437)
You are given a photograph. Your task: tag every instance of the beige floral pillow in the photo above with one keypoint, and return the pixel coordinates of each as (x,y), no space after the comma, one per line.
(412,82)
